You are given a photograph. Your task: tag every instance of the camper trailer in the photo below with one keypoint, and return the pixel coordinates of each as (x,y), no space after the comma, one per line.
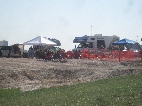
(96,42)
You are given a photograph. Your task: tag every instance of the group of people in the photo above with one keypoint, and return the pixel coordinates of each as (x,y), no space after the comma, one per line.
(54,51)
(32,52)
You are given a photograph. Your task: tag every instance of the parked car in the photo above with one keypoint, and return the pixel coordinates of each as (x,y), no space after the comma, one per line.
(15,50)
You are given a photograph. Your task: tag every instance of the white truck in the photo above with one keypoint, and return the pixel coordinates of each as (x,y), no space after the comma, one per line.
(96,42)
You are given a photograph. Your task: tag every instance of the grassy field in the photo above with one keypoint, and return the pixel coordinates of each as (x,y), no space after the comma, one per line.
(119,91)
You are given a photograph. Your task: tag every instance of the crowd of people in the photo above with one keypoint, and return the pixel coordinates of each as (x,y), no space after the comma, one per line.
(40,52)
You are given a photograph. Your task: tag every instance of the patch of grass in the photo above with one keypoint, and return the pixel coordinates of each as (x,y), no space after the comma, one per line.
(138,63)
(119,91)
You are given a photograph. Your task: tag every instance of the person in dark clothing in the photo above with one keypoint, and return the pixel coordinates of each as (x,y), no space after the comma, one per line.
(0,53)
(15,49)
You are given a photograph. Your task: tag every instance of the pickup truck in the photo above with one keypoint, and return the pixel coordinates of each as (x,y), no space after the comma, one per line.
(15,50)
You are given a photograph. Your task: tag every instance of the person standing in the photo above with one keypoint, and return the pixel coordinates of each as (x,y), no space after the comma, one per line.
(32,53)
(0,53)
(29,53)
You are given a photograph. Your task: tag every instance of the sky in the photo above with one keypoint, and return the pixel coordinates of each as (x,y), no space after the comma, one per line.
(23,20)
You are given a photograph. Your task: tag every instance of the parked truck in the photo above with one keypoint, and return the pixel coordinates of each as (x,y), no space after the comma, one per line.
(15,50)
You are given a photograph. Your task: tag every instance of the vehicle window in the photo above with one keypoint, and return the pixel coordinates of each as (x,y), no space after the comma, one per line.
(80,46)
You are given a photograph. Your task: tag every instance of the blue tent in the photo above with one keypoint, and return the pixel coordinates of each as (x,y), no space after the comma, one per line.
(124,42)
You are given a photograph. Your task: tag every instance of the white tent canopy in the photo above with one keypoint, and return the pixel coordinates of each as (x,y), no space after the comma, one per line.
(39,41)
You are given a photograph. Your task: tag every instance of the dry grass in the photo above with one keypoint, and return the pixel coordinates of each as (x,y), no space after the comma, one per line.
(30,74)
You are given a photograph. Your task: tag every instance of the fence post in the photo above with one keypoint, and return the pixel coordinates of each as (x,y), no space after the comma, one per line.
(119,53)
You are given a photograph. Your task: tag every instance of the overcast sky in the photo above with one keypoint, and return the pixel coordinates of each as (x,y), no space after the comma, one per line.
(22,20)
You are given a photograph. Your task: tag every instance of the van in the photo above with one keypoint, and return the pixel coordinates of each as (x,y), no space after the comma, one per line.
(15,50)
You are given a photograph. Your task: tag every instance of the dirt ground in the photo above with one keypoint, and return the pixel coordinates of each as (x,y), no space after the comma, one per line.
(31,74)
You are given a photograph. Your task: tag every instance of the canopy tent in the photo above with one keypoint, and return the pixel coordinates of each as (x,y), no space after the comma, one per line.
(124,42)
(127,43)
(39,41)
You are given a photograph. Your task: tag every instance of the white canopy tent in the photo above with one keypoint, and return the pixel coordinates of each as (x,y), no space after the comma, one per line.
(40,41)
